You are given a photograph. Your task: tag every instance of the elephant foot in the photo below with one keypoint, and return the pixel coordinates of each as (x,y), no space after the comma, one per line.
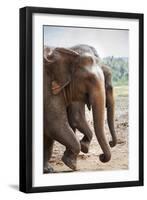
(113,143)
(48,169)
(84,146)
(103,158)
(70,161)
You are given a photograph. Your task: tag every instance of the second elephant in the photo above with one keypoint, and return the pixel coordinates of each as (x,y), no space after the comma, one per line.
(76,110)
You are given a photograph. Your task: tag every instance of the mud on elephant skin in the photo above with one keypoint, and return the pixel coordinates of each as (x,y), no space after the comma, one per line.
(76,110)
(70,77)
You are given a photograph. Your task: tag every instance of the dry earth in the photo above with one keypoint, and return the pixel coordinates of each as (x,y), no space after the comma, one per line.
(90,161)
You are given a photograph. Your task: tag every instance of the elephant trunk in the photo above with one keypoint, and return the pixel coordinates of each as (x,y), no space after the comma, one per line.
(98,108)
(110,117)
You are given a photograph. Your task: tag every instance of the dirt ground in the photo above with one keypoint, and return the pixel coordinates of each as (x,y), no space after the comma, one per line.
(90,161)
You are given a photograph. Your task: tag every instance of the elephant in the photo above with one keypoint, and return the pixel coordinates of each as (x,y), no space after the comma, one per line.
(70,77)
(76,110)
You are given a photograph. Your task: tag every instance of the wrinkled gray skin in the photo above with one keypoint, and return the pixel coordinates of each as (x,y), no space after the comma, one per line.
(71,77)
(76,110)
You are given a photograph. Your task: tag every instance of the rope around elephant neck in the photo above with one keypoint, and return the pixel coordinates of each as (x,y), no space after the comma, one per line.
(68,93)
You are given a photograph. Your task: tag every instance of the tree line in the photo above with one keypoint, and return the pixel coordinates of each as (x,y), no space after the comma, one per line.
(119,66)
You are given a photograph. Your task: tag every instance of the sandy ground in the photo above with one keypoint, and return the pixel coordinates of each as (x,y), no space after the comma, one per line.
(90,161)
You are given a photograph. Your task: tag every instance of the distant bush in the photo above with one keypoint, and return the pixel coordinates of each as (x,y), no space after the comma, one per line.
(119,66)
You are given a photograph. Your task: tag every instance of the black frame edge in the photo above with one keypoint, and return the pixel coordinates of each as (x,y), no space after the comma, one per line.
(22,102)
(25,164)
(141,99)
(25,105)
(84,186)
(80,12)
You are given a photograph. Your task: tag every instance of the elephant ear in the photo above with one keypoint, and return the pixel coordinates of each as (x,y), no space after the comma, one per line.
(68,56)
(66,51)
(48,57)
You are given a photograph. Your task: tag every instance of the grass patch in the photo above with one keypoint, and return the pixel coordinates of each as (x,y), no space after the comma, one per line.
(121,91)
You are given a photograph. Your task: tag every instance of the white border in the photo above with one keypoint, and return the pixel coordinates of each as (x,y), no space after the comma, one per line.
(40,179)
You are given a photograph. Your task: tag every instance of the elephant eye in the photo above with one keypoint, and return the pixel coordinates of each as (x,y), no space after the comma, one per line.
(89,60)
(86,61)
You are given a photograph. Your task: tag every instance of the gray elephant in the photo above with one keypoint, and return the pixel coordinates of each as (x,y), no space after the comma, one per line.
(76,110)
(68,77)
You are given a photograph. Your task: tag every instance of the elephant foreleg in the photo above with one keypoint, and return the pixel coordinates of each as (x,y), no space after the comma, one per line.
(67,137)
(83,127)
(77,120)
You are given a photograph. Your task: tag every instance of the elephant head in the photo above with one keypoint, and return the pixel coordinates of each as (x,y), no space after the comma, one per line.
(61,64)
(80,78)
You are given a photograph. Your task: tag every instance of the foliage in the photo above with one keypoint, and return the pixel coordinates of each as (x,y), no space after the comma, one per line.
(119,66)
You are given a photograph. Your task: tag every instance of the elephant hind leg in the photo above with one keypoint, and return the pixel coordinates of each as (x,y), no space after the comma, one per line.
(48,148)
